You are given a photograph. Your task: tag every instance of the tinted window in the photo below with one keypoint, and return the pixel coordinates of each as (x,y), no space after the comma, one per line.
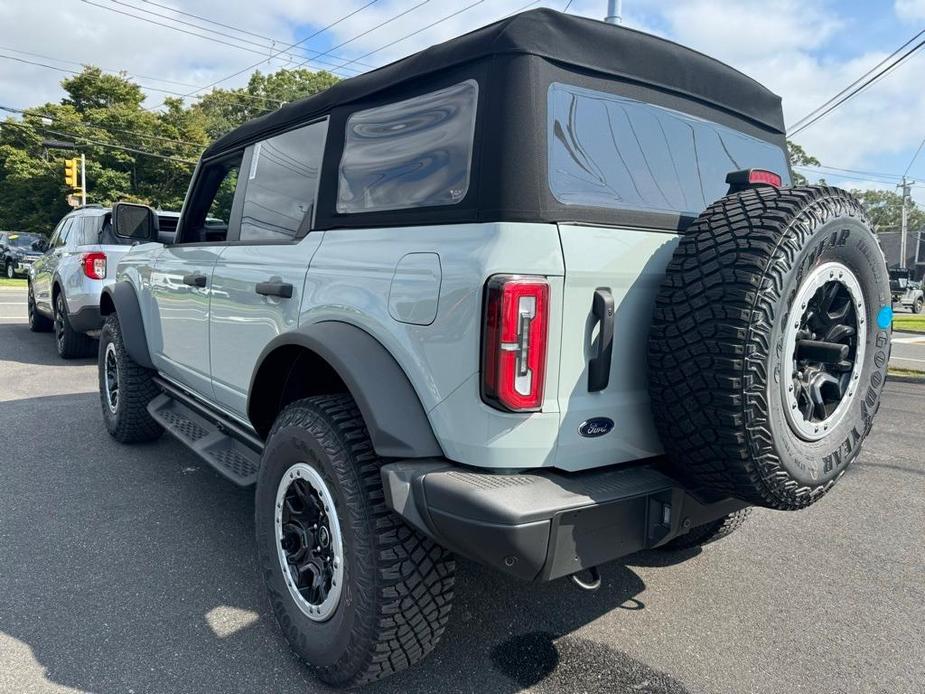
(610,151)
(414,153)
(87,230)
(282,184)
(64,232)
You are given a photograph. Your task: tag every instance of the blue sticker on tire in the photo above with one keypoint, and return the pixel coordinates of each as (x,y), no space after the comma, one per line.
(885,317)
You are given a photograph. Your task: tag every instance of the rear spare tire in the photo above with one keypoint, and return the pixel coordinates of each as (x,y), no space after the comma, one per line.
(769,344)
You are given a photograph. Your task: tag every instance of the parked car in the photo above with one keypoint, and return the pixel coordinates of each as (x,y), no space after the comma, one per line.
(18,251)
(540,296)
(66,281)
(906,291)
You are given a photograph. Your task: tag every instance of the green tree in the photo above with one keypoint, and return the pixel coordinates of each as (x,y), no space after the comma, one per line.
(799,157)
(884,207)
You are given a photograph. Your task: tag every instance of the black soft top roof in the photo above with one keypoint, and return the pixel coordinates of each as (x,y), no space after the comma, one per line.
(583,43)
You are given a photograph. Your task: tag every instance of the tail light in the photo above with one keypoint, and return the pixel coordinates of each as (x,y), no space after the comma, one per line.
(752,178)
(94,265)
(515,339)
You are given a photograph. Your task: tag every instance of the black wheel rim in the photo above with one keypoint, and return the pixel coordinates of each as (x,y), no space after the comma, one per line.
(309,542)
(111,378)
(59,321)
(826,345)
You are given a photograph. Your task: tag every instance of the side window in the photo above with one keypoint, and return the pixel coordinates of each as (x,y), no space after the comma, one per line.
(413,153)
(87,230)
(610,151)
(282,184)
(214,204)
(63,232)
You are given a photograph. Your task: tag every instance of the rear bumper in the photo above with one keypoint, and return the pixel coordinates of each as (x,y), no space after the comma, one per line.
(86,319)
(539,526)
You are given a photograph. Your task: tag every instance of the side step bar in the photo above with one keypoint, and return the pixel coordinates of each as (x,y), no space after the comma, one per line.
(225,445)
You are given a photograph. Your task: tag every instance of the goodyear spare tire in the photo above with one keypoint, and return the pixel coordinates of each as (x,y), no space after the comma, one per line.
(769,344)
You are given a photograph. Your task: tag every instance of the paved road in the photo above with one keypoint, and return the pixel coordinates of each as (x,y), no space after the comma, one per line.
(131,570)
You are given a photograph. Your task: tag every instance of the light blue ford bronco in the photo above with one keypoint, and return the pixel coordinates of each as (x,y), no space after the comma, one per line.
(540,296)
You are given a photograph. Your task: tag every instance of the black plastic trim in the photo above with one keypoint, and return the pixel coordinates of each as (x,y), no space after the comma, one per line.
(86,319)
(123,297)
(391,409)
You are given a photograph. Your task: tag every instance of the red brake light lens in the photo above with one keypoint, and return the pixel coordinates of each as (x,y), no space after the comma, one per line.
(94,265)
(515,341)
(759,176)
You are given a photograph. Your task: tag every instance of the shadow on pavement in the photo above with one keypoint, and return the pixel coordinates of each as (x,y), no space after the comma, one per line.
(19,344)
(132,568)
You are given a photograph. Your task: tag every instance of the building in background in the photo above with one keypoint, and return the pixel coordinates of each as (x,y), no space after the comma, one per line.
(915,249)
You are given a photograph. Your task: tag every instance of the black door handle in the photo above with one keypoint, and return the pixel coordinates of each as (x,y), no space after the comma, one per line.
(195,279)
(280,289)
(599,366)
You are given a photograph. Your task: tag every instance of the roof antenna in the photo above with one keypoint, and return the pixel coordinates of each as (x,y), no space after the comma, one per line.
(614,12)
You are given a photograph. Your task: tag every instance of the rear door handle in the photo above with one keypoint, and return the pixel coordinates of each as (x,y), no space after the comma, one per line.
(280,289)
(599,366)
(195,279)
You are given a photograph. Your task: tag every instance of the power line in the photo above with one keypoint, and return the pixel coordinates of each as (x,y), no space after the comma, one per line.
(859,89)
(414,33)
(875,67)
(369,31)
(297,43)
(97,143)
(914,157)
(107,128)
(238,29)
(143,86)
(289,58)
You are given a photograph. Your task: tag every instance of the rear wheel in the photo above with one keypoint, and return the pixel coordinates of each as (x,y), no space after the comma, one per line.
(71,344)
(357,592)
(37,322)
(126,388)
(918,305)
(10,269)
(769,345)
(708,532)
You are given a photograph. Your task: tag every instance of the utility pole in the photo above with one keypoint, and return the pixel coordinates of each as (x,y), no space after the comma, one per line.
(614,12)
(83,179)
(906,184)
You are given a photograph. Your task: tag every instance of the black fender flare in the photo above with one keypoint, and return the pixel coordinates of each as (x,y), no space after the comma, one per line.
(393,413)
(120,298)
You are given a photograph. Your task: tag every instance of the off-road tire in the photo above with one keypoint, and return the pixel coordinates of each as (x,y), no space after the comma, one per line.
(130,423)
(37,322)
(70,343)
(398,585)
(716,356)
(918,305)
(708,532)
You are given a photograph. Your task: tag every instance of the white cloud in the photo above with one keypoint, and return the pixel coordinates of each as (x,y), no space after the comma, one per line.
(910,10)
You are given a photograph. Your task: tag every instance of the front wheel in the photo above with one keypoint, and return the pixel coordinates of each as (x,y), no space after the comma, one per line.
(126,388)
(358,593)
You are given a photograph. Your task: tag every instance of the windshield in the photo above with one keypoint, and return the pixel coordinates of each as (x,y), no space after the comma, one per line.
(24,241)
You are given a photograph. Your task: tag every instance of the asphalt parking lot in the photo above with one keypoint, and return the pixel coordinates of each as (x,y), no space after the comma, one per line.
(132,570)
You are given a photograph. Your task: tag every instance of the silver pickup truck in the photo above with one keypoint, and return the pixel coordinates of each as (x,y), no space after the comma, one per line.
(67,279)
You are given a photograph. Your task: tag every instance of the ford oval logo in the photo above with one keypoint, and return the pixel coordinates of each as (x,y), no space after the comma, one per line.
(598,426)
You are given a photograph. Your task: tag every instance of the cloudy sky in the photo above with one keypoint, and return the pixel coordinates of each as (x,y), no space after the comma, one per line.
(804,50)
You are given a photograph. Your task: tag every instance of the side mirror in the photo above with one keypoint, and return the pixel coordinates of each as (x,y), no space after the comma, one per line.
(135,222)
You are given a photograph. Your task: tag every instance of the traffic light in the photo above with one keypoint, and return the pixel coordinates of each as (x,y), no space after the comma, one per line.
(70,173)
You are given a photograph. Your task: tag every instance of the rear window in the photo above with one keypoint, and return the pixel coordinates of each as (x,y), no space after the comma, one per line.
(413,153)
(611,151)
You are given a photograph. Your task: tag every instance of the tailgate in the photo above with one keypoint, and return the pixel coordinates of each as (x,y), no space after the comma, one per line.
(629,264)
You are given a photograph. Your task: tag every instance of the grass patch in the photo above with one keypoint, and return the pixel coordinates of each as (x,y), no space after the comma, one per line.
(20,283)
(905,373)
(909,322)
